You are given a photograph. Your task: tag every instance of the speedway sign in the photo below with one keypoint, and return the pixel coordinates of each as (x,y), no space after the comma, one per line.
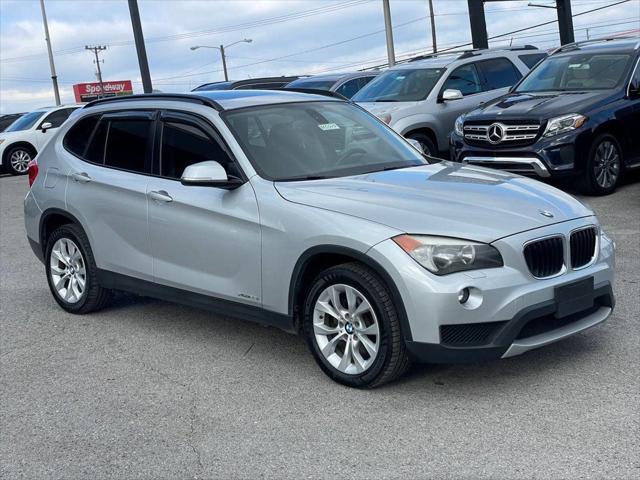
(86,92)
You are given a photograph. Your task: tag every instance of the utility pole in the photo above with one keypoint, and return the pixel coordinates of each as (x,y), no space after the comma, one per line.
(54,77)
(433,27)
(224,63)
(140,48)
(96,49)
(391,56)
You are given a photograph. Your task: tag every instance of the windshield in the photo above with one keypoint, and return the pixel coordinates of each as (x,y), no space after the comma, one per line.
(314,84)
(582,71)
(24,122)
(404,85)
(311,140)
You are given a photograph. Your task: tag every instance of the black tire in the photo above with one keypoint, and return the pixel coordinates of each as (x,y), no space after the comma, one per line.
(94,297)
(392,359)
(588,182)
(25,150)
(428,147)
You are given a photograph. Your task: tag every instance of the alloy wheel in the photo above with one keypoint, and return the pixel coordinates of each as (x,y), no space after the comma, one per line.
(346,329)
(68,270)
(20,160)
(606,164)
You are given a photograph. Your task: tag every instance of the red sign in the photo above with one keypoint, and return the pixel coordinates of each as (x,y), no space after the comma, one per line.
(85,92)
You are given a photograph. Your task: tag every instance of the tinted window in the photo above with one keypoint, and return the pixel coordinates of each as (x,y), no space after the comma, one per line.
(95,150)
(499,73)
(465,79)
(58,117)
(184,145)
(314,84)
(402,85)
(25,122)
(79,135)
(531,59)
(261,86)
(127,144)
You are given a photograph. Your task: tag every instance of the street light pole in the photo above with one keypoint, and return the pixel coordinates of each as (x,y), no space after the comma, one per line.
(140,48)
(434,44)
(224,63)
(54,77)
(222,53)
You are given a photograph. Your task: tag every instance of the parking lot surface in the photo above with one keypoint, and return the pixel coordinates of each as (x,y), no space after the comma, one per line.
(147,389)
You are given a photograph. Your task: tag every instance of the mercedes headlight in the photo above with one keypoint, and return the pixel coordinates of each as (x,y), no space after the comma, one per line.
(459,125)
(443,255)
(563,124)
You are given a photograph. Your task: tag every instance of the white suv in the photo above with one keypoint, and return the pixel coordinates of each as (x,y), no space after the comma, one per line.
(422,98)
(25,137)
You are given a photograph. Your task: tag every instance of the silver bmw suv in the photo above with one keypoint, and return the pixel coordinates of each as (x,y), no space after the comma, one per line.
(307,213)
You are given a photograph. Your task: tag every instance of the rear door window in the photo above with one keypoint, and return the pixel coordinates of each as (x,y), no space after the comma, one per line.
(499,73)
(128,144)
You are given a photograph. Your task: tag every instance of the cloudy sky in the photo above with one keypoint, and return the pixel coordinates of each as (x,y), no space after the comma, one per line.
(289,37)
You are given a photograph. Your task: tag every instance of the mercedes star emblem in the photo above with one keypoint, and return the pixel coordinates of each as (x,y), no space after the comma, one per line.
(495,133)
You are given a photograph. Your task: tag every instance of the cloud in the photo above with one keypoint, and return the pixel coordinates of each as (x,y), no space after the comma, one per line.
(175,67)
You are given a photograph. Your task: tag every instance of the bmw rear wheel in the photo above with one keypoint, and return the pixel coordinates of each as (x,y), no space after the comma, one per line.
(352,327)
(72,272)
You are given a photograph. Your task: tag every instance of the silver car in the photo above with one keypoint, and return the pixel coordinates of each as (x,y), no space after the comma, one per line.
(422,98)
(308,213)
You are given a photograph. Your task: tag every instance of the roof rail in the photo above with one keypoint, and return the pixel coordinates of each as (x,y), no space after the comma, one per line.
(575,45)
(159,96)
(316,91)
(472,52)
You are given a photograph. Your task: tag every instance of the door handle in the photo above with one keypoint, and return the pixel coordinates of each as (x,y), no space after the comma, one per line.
(81,177)
(161,196)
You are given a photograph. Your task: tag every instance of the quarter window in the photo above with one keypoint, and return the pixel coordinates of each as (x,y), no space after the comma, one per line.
(128,144)
(465,79)
(499,73)
(185,144)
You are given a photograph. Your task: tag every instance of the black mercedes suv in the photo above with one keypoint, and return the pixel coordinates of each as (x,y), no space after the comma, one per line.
(577,113)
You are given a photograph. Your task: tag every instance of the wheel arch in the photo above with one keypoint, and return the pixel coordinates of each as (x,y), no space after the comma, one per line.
(615,128)
(316,259)
(51,219)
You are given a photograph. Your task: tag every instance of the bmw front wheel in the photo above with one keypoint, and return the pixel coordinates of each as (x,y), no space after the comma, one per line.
(352,327)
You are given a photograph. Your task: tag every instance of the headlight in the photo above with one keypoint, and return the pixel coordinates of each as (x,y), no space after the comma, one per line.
(1,140)
(459,125)
(442,255)
(385,117)
(564,124)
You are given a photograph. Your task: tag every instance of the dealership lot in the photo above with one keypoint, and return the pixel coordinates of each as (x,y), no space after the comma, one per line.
(147,389)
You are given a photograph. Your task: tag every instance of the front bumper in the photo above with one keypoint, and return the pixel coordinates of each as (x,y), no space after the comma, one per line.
(547,157)
(516,311)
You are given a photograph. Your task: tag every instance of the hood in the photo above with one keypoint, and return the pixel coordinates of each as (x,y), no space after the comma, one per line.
(445,199)
(383,108)
(540,105)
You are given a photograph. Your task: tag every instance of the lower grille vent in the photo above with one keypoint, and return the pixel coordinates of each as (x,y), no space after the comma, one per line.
(469,334)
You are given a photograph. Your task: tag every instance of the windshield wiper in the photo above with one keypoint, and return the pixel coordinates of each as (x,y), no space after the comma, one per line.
(305,177)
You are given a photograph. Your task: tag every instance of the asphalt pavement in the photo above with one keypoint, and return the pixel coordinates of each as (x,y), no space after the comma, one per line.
(152,390)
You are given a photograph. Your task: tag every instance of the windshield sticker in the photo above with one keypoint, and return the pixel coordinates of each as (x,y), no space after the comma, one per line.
(328,126)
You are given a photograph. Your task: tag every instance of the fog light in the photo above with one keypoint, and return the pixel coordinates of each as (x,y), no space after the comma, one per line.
(463,295)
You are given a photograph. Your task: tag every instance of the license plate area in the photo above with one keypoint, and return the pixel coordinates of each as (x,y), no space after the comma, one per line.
(574,297)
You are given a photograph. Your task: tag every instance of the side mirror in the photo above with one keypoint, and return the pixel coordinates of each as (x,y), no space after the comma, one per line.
(415,144)
(451,94)
(45,126)
(209,174)
(634,90)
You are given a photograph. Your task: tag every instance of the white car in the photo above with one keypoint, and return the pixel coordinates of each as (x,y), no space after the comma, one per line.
(25,137)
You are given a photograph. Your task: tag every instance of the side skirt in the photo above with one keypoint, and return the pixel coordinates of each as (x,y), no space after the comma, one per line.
(118,281)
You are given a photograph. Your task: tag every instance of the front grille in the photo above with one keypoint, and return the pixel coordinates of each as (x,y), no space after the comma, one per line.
(516,133)
(545,257)
(469,333)
(583,246)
